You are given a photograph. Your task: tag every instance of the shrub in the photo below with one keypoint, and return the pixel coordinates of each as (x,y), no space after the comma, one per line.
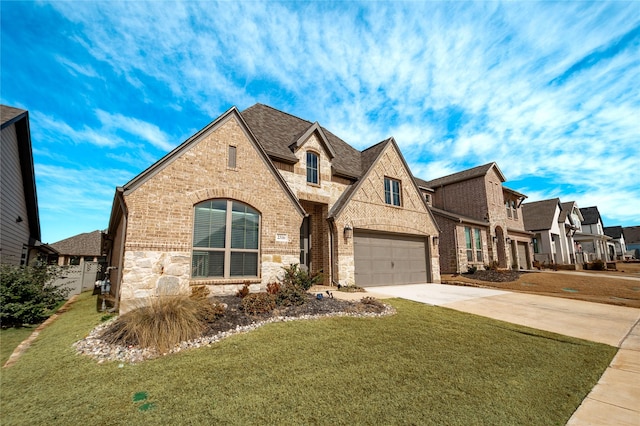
(351,288)
(273,288)
(368,300)
(597,265)
(258,303)
(27,294)
(291,295)
(199,292)
(243,292)
(472,269)
(161,324)
(212,309)
(300,278)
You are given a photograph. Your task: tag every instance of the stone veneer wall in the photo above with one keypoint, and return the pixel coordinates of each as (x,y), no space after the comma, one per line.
(160,220)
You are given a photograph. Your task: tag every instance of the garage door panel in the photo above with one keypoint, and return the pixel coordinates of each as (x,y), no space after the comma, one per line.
(389,259)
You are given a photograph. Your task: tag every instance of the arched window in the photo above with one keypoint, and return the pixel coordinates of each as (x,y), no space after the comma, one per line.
(312,167)
(226,236)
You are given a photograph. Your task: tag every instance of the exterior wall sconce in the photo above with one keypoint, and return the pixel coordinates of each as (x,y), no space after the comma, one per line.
(508,240)
(495,239)
(436,240)
(348,232)
(18,219)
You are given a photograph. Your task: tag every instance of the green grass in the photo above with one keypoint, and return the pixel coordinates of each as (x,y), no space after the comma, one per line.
(424,365)
(10,338)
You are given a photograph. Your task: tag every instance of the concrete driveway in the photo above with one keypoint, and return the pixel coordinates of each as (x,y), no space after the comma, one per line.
(616,397)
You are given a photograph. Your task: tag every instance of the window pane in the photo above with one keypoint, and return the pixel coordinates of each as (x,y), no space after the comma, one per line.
(312,167)
(467,237)
(210,224)
(244,264)
(207,264)
(387,191)
(396,192)
(478,238)
(244,228)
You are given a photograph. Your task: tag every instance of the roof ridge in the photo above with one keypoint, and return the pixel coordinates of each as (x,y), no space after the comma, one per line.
(280,111)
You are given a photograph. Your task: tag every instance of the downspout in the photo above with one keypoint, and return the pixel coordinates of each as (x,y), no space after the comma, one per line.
(455,239)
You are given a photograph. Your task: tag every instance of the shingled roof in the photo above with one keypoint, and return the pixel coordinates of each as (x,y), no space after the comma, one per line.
(277,131)
(591,215)
(461,176)
(539,214)
(8,114)
(613,231)
(631,234)
(87,244)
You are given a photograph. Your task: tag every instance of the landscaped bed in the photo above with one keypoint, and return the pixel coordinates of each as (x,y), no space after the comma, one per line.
(423,365)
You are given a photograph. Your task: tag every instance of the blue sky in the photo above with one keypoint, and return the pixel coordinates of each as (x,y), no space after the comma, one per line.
(547,90)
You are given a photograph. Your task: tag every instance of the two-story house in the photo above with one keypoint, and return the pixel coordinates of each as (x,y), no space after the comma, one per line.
(480,220)
(632,241)
(591,237)
(552,222)
(258,190)
(617,241)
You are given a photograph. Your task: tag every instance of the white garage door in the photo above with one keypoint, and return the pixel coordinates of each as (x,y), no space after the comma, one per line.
(389,259)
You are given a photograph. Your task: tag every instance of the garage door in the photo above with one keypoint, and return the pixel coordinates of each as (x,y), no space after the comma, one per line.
(389,259)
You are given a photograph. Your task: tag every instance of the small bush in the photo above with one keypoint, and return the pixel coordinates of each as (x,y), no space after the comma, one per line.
(368,300)
(472,269)
(301,278)
(243,292)
(273,288)
(27,294)
(258,303)
(291,295)
(163,323)
(597,265)
(351,288)
(199,292)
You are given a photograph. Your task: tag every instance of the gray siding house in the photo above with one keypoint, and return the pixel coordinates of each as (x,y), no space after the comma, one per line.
(19,219)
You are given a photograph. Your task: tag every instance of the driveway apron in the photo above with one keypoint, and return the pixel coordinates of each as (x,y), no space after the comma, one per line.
(616,397)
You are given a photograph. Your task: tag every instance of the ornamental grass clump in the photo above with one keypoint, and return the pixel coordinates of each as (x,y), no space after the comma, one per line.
(161,324)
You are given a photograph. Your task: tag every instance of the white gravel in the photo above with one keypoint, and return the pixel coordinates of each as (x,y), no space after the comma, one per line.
(94,347)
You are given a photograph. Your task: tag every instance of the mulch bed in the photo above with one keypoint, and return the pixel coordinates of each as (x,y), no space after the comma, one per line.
(234,316)
(495,276)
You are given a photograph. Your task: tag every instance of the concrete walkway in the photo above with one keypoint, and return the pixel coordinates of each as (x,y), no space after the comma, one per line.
(616,397)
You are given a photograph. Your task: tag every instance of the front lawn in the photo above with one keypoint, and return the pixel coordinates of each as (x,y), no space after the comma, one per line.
(424,365)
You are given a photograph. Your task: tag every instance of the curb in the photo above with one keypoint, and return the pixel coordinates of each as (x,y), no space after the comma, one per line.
(26,343)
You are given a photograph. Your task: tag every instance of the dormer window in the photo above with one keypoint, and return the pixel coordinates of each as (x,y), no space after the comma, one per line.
(312,167)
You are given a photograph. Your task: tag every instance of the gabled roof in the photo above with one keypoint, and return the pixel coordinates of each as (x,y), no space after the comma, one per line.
(539,215)
(631,234)
(314,128)
(566,211)
(613,231)
(463,175)
(277,131)
(591,215)
(186,145)
(86,244)
(20,118)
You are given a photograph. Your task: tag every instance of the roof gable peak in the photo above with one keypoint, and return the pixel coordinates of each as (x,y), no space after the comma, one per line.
(314,128)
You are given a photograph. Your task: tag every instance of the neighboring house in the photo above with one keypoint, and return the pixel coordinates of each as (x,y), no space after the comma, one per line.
(591,237)
(632,240)
(572,219)
(19,220)
(86,247)
(617,239)
(480,220)
(83,261)
(553,240)
(258,190)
